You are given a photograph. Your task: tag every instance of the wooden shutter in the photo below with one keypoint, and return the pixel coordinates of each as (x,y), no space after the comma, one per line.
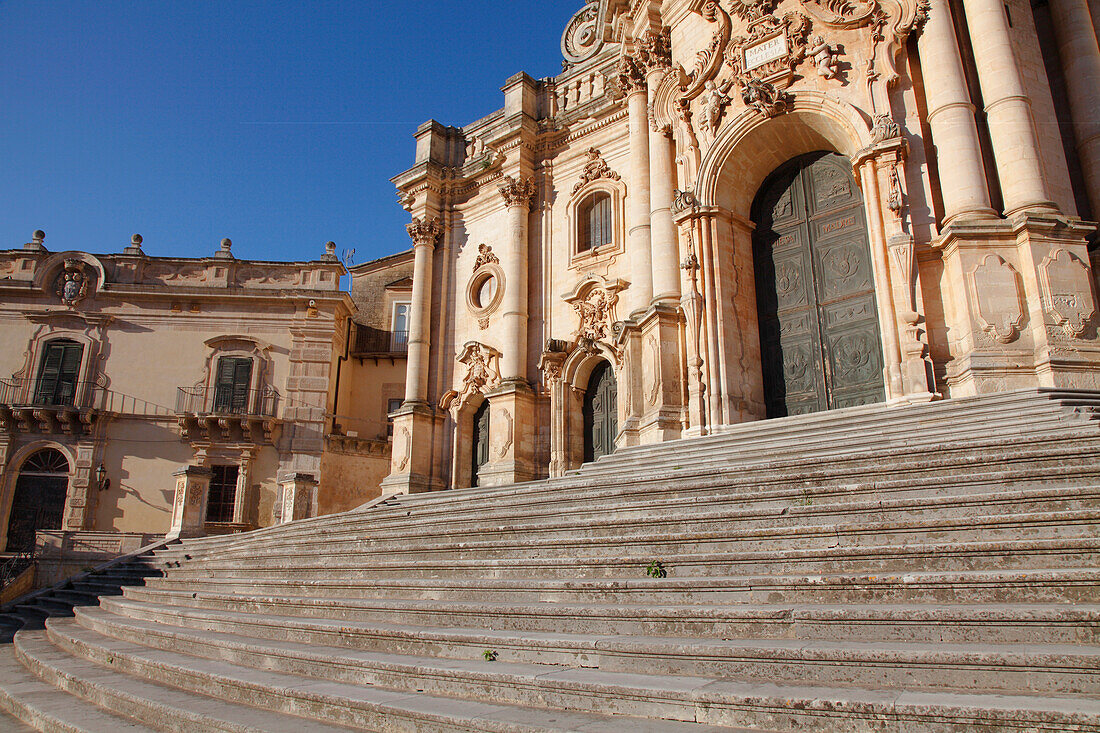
(234,376)
(58,373)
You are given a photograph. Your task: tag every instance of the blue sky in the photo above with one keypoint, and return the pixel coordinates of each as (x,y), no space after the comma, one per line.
(275,123)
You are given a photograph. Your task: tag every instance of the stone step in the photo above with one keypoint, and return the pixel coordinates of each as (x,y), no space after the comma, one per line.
(619,547)
(37,705)
(81,655)
(679,698)
(734,490)
(1068,585)
(633,560)
(1010,668)
(683,519)
(272,616)
(359,622)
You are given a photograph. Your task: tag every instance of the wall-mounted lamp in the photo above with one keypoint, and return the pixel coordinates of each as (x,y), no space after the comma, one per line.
(101,480)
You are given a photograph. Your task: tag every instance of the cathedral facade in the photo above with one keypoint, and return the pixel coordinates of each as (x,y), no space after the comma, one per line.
(725,211)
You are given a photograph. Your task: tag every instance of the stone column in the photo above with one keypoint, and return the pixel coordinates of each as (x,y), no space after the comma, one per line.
(631,77)
(517,195)
(963,185)
(1007,108)
(298,491)
(654,52)
(1080,55)
(424,235)
(189,507)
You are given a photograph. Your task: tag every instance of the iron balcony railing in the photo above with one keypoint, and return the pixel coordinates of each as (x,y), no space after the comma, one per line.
(225,400)
(21,392)
(370,340)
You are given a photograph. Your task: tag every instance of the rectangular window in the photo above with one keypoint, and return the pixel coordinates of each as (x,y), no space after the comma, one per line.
(231,388)
(400,328)
(58,373)
(223,494)
(391,406)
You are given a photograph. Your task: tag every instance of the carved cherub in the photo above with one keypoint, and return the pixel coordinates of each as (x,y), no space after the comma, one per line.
(825,57)
(715,99)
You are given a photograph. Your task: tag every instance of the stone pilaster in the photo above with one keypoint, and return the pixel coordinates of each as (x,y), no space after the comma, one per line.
(631,77)
(298,495)
(411,469)
(963,185)
(517,195)
(189,504)
(1079,52)
(660,367)
(1007,108)
(512,428)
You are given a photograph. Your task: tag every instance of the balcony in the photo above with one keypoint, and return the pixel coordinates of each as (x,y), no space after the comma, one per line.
(374,342)
(221,414)
(35,406)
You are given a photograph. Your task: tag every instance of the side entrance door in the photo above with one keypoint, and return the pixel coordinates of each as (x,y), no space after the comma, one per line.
(601,420)
(819,333)
(480,442)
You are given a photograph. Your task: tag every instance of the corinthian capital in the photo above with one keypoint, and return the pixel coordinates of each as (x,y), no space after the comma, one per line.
(654,50)
(517,193)
(425,232)
(630,74)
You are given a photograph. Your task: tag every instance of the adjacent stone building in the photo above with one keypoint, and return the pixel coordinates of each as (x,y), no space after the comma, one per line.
(724,211)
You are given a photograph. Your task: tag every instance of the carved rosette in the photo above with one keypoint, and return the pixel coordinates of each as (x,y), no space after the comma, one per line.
(515,192)
(424,233)
(594,169)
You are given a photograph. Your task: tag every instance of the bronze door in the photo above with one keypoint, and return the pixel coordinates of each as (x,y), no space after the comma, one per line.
(819,334)
(601,420)
(480,440)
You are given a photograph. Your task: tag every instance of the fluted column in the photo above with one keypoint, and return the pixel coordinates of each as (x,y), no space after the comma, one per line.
(1007,108)
(631,77)
(963,184)
(1080,55)
(424,235)
(517,195)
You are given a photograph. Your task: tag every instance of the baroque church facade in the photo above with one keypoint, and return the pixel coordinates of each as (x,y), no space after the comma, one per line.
(724,211)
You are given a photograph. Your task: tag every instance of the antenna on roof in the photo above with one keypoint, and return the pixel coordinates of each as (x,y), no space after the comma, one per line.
(349,257)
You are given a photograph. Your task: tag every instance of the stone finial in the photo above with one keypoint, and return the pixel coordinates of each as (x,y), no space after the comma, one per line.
(134,247)
(35,244)
(330,252)
(225,252)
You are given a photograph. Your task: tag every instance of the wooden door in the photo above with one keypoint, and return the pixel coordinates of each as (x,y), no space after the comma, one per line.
(601,419)
(819,333)
(480,441)
(39,501)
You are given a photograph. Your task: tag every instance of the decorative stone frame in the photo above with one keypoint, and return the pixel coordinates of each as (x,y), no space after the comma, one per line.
(230,346)
(617,191)
(246,503)
(10,472)
(463,416)
(46,274)
(88,331)
(482,311)
(567,398)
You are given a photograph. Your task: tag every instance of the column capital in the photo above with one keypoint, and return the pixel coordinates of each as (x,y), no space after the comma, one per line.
(517,192)
(654,50)
(425,233)
(631,76)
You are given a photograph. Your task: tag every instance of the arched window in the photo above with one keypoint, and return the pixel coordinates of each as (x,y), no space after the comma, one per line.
(595,222)
(39,501)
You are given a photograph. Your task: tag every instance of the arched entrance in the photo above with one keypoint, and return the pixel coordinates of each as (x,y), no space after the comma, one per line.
(479,441)
(819,332)
(39,501)
(600,412)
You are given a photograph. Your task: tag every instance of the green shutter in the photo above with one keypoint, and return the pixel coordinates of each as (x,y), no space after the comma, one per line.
(58,373)
(233,379)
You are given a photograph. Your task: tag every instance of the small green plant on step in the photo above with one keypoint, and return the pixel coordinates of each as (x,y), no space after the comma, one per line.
(490,655)
(656,569)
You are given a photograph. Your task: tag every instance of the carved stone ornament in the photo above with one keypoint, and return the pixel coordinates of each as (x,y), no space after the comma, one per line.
(709,60)
(1064,278)
(765,98)
(825,57)
(840,13)
(995,291)
(517,192)
(482,373)
(594,169)
(715,99)
(630,75)
(654,50)
(684,200)
(424,233)
(884,128)
(583,38)
(72,283)
(896,200)
(485,256)
(594,312)
(771,50)
(754,9)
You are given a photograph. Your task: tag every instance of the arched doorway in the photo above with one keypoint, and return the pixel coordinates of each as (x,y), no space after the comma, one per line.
(819,331)
(39,501)
(479,440)
(601,419)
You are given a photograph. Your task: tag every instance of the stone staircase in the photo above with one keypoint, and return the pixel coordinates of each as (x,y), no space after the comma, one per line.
(922,568)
